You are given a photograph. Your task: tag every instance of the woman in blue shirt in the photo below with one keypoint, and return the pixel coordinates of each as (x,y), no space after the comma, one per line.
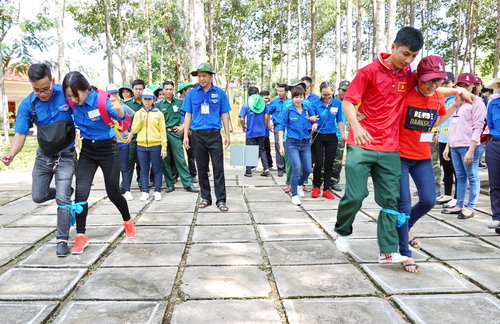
(325,139)
(99,149)
(493,161)
(295,120)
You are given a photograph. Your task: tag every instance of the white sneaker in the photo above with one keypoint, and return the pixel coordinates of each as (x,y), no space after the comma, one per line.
(144,196)
(342,243)
(296,200)
(128,195)
(393,257)
(157,196)
(300,191)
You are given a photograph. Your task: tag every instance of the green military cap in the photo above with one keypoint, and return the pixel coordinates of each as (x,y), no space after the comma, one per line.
(120,91)
(256,103)
(184,85)
(203,67)
(296,82)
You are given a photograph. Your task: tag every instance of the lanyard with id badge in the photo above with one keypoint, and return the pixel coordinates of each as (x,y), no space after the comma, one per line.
(205,108)
(422,119)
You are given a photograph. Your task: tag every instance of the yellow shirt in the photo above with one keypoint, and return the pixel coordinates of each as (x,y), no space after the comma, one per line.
(151,130)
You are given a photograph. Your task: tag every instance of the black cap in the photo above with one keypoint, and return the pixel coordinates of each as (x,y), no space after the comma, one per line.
(344,85)
(450,77)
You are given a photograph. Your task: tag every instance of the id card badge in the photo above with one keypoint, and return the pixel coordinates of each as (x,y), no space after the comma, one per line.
(426,137)
(175,108)
(205,108)
(454,120)
(94,113)
(334,110)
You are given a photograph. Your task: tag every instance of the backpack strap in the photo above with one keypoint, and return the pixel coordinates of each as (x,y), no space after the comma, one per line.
(102,96)
(33,112)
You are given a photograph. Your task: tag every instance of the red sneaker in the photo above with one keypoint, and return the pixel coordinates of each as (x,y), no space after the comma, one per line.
(328,194)
(81,241)
(315,193)
(129,228)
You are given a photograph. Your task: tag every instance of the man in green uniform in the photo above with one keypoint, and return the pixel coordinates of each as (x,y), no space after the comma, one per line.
(171,109)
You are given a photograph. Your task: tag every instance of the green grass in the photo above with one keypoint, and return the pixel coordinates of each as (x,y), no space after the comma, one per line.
(25,159)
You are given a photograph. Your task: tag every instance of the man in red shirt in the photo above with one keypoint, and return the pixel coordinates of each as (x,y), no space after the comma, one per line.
(373,143)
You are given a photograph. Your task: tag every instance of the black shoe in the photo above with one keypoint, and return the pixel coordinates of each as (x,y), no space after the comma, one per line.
(62,249)
(462,216)
(280,173)
(191,188)
(248,175)
(482,166)
(169,189)
(447,211)
(194,179)
(265,174)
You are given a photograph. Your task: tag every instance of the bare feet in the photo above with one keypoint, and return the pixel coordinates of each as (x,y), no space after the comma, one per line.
(411,266)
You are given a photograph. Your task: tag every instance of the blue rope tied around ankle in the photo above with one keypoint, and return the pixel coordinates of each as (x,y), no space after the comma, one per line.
(74,208)
(402,217)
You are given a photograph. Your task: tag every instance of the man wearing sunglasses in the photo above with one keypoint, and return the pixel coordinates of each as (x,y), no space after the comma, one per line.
(48,109)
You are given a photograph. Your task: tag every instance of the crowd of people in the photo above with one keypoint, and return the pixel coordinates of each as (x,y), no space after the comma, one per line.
(397,124)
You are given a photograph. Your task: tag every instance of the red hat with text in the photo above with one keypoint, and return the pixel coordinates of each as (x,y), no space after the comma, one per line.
(431,67)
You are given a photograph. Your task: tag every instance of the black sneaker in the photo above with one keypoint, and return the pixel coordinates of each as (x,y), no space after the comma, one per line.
(62,249)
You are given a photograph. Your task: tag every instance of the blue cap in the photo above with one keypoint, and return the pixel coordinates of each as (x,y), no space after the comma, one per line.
(111,88)
(148,94)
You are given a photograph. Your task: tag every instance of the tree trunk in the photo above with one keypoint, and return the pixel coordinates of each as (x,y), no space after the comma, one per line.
(178,61)
(271,46)
(338,43)
(412,13)
(375,30)
(359,35)
(469,23)
(497,52)
(109,50)
(199,50)
(299,40)
(262,60)
(391,23)
(123,66)
(348,63)
(61,71)
(210,32)
(281,53)
(379,45)
(313,42)
(289,35)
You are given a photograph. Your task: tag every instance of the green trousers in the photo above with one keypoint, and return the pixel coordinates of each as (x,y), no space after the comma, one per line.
(385,170)
(337,164)
(176,152)
(132,160)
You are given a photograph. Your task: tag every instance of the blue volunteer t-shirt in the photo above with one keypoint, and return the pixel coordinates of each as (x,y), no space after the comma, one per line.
(275,109)
(492,119)
(329,116)
(256,126)
(312,97)
(296,124)
(445,126)
(217,102)
(89,121)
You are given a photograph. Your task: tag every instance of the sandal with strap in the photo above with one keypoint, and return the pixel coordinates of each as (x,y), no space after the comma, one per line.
(414,243)
(204,203)
(222,207)
(417,268)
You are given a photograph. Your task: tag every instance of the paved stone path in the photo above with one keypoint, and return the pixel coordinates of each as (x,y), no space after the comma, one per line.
(265,261)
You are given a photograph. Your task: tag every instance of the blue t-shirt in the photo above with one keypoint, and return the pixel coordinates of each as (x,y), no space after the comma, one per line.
(289,103)
(296,124)
(217,102)
(275,109)
(256,126)
(493,117)
(89,121)
(329,116)
(445,126)
(312,97)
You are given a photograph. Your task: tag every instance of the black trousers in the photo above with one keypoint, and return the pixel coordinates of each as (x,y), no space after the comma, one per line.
(191,161)
(493,162)
(206,146)
(96,154)
(267,146)
(324,150)
(449,172)
(260,141)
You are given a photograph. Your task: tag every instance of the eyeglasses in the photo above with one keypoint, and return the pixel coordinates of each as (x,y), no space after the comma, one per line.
(437,82)
(326,95)
(46,91)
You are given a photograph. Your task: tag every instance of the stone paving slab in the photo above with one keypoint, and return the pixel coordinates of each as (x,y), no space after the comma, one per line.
(460,308)
(495,240)
(367,250)
(40,284)
(330,216)
(165,219)
(224,282)
(459,248)
(299,252)
(285,217)
(46,256)
(145,255)
(229,233)
(159,234)
(35,221)
(225,254)
(96,234)
(152,283)
(112,312)
(18,207)
(223,219)
(179,195)
(321,280)
(266,194)
(226,312)
(360,229)
(273,206)
(341,310)
(26,312)
(309,203)
(236,204)
(108,208)
(106,220)
(9,218)
(23,235)
(483,271)
(475,225)
(431,228)
(171,207)
(11,251)
(290,232)
(434,278)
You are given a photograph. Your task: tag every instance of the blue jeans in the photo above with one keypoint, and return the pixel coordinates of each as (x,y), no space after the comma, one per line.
(422,173)
(126,178)
(150,156)
(43,172)
(299,154)
(467,172)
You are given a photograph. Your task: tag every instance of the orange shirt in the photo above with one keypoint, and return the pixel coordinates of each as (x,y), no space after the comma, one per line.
(418,111)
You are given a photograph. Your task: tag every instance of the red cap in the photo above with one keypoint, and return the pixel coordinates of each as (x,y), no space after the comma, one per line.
(478,80)
(431,67)
(467,78)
